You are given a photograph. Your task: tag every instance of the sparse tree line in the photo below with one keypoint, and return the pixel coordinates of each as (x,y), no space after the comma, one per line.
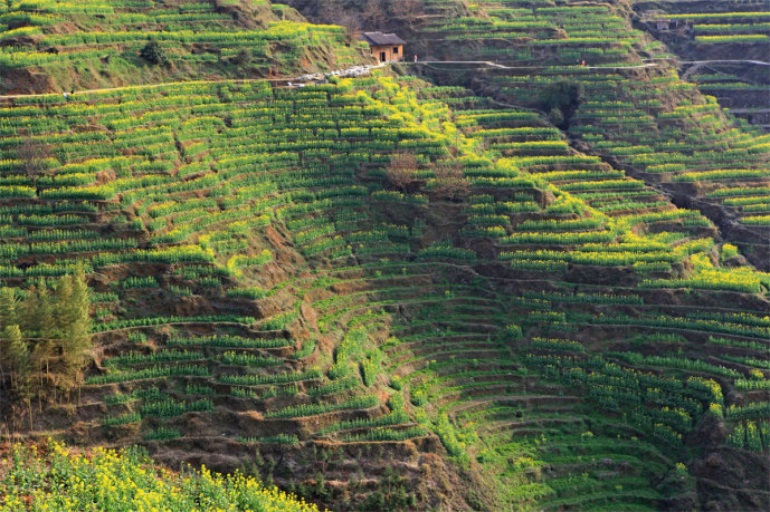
(44,340)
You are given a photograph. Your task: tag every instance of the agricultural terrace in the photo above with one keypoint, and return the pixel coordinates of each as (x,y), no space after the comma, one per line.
(647,120)
(67,46)
(193,208)
(263,283)
(570,276)
(721,32)
(365,291)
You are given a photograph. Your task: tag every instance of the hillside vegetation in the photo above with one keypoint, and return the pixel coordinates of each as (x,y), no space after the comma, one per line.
(58,479)
(66,46)
(726,36)
(388,293)
(628,103)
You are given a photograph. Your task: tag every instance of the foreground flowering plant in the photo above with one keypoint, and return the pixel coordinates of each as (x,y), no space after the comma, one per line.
(55,478)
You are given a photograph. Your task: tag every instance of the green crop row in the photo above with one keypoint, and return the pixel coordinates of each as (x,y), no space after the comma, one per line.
(295,411)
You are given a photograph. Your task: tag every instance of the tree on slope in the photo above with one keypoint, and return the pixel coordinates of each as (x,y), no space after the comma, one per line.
(44,338)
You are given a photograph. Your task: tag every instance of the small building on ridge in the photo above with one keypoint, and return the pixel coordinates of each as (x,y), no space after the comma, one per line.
(385,47)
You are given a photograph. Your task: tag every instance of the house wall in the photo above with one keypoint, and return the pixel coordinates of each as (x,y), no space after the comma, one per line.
(390,55)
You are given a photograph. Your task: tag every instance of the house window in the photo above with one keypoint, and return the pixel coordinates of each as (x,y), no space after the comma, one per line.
(395,50)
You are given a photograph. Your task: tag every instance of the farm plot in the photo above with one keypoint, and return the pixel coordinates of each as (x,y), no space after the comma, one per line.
(270,274)
(611,86)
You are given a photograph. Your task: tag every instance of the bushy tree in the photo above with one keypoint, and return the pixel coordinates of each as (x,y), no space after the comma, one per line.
(563,96)
(243,57)
(76,323)
(17,352)
(153,53)
(20,365)
(556,116)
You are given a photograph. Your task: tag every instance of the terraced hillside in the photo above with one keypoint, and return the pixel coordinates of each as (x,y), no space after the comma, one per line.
(728,44)
(381,293)
(617,94)
(66,46)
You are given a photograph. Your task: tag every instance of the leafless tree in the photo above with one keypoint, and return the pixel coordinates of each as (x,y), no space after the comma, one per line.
(352,24)
(450,181)
(408,10)
(34,156)
(329,11)
(374,14)
(402,170)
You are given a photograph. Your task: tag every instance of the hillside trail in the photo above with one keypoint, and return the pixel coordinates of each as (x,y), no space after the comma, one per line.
(352,71)
(501,66)
(300,81)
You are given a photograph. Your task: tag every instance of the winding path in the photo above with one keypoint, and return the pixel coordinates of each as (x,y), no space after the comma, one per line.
(300,81)
(501,66)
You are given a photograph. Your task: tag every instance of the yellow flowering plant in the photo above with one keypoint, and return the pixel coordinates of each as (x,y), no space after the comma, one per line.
(60,479)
